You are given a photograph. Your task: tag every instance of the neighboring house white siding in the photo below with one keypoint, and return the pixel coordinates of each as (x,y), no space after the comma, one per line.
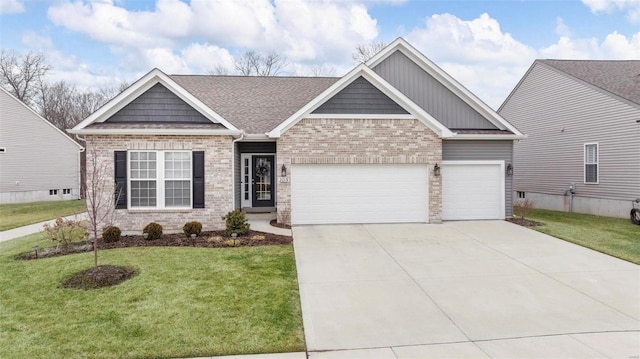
(40,163)
(561,114)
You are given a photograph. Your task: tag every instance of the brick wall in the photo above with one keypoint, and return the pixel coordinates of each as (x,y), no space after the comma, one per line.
(360,141)
(218,180)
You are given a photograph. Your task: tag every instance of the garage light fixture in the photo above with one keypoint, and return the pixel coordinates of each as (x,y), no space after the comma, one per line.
(509,169)
(283,171)
(436,170)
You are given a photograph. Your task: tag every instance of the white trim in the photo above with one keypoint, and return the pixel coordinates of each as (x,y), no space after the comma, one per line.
(41,118)
(380,84)
(584,162)
(366,116)
(502,177)
(160,180)
(152,78)
(154,131)
(486,137)
(245,202)
(445,79)
(276,172)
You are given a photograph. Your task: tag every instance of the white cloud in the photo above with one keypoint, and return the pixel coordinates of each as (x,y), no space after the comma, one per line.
(630,7)
(37,42)
(205,57)
(615,46)
(561,28)
(303,31)
(475,52)
(11,6)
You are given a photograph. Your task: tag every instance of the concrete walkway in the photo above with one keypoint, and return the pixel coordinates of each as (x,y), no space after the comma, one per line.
(484,289)
(34,228)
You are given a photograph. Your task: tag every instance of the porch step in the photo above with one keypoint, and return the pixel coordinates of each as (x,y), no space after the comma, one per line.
(261,216)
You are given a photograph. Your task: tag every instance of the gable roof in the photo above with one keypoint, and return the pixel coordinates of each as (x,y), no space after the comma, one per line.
(139,87)
(621,78)
(449,82)
(40,118)
(255,104)
(364,71)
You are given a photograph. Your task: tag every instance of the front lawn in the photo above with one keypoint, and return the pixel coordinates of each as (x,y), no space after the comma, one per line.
(21,214)
(185,302)
(614,236)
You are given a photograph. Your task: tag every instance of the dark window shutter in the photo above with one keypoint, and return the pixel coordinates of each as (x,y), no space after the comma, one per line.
(198,179)
(120,165)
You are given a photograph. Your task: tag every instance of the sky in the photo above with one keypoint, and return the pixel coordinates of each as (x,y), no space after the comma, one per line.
(486,45)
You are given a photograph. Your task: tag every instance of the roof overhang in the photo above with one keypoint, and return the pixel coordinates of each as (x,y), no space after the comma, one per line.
(149,80)
(487,137)
(376,80)
(154,131)
(445,79)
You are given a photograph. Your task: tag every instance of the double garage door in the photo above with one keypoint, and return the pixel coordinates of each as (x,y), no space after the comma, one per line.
(323,194)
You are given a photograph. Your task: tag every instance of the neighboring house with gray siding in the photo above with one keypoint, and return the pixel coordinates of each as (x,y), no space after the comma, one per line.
(583,123)
(38,162)
(394,140)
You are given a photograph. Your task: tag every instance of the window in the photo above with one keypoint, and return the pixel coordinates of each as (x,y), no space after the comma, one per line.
(53,192)
(591,163)
(66,191)
(521,194)
(160,179)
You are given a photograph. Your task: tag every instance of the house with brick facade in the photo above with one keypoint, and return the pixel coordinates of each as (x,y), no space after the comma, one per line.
(396,139)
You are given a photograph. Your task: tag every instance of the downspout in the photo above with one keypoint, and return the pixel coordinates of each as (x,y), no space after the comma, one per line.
(233,169)
(80,194)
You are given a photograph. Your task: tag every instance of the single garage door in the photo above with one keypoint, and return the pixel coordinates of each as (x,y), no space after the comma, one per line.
(324,194)
(472,190)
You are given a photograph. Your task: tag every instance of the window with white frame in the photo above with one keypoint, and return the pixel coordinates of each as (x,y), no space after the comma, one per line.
(591,163)
(160,179)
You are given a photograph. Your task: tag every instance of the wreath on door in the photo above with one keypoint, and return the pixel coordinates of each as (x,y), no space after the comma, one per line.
(262,168)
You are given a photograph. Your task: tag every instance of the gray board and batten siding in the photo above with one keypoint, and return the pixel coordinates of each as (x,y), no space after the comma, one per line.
(476,150)
(560,114)
(430,94)
(158,105)
(37,158)
(360,97)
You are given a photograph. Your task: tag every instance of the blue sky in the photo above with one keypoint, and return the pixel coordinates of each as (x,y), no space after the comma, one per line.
(486,45)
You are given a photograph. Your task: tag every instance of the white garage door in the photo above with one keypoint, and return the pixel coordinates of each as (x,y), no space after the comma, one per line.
(472,190)
(322,194)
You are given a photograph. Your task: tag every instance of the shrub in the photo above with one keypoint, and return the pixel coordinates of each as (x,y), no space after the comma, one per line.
(523,207)
(111,234)
(154,230)
(236,221)
(65,231)
(190,228)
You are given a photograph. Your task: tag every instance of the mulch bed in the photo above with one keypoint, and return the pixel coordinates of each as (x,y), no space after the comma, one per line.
(524,222)
(209,239)
(274,223)
(99,277)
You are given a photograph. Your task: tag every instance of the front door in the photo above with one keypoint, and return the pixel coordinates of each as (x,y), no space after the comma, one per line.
(263,180)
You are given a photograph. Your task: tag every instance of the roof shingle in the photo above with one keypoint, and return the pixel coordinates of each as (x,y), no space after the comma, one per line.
(621,78)
(251,103)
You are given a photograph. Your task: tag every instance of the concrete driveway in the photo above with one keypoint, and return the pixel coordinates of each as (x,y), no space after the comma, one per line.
(483,289)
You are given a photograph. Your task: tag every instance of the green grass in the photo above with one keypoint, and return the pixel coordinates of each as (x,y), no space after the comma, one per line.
(185,302)
(614,236)
(22,214)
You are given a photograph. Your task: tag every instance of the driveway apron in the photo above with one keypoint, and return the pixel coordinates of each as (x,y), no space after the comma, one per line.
(485,288)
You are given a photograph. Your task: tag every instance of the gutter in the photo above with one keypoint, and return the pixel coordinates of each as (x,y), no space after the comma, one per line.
(150,131)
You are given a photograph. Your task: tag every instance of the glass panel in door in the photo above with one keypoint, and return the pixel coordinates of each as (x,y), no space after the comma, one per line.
(263,178)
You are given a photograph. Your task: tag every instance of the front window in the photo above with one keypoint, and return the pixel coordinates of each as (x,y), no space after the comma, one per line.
(160,179)
(591,163)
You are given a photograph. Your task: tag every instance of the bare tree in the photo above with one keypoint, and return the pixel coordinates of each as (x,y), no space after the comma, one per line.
(252,63)
(220,70)
(322,71)
(22,74)
(100,201)
(364,52)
